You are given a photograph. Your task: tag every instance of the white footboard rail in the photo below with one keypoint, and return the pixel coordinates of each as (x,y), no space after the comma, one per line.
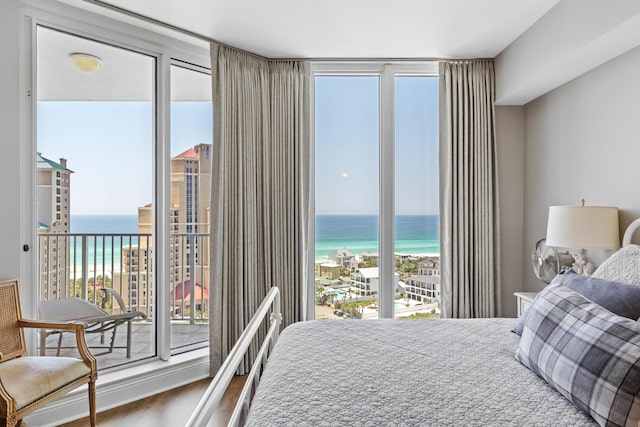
(203,412)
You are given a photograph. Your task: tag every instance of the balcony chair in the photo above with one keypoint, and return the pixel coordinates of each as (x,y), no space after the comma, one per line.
(28,382)
(98,320)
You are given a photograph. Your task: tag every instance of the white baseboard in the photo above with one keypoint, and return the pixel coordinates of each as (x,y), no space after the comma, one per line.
(124,386)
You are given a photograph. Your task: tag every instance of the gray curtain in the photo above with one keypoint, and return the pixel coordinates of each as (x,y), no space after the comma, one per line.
(260,191)
(469,240)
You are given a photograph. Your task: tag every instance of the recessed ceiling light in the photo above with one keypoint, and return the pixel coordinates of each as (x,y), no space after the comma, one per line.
(85,62)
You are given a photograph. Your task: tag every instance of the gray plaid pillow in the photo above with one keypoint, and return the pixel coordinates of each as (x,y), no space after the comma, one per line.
(590,355)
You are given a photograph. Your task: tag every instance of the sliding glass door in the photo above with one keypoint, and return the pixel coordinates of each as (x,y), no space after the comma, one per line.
(94,196)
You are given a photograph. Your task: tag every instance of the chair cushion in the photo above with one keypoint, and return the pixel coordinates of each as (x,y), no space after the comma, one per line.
(69,309)
(27,379)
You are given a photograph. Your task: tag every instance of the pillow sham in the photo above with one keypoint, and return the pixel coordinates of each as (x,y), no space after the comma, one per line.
(620,298)
(588,354)
(622,266)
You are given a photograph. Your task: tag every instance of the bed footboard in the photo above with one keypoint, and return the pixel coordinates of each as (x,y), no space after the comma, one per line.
(212,396)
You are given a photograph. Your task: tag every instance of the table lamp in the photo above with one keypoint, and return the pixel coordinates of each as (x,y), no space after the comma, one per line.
(582,228)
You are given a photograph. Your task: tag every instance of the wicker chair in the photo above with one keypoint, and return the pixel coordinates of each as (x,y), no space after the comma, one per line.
(28,382)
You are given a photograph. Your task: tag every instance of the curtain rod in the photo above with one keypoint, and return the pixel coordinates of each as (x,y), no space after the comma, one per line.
(202,37)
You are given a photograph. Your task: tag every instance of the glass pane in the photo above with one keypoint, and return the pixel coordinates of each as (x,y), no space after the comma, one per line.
(95,136)
(417,246)
(346,182)
(191,136)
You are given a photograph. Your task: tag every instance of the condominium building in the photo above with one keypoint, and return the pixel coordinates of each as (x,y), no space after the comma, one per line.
(429,266)
(189,245)
(423,288)
(53,216)
(364,281)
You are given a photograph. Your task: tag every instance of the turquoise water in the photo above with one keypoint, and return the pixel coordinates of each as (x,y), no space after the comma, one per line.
(102,249)
(415,234)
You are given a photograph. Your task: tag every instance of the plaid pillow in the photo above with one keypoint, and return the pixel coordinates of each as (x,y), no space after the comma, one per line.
(590,355)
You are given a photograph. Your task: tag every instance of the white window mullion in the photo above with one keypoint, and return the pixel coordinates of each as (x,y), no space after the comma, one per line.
(162,214)
(387,195)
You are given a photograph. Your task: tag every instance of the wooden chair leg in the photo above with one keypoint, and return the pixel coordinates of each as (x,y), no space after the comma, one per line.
(92,403)
(59,345)
(43,342)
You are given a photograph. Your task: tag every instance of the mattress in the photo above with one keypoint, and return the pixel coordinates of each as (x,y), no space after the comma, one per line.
(404,373)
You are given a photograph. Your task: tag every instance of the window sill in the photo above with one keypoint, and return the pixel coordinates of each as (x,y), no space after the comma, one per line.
(127,385)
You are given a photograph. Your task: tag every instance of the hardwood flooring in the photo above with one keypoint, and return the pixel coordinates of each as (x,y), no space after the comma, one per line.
(170,408)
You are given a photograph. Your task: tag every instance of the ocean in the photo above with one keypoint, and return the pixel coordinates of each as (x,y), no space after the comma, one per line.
(104,223)
(415,234)
(105,249)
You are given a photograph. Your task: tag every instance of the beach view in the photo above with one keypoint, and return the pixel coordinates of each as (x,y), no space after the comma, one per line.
(347,266)
(348,166)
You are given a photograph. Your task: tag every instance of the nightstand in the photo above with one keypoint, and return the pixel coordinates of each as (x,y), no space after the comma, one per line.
(524,300)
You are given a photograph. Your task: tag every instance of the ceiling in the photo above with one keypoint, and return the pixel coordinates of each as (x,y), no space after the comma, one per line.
(340,29)
(351,28)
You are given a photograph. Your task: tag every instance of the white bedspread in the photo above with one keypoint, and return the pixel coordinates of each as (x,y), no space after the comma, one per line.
(404,373)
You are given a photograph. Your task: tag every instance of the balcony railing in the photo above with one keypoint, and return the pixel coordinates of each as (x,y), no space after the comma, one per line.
(77,264)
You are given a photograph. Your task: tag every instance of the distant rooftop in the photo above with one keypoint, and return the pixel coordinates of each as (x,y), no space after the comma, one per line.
(44,163)
(340,253)
(369,272)
(189,154)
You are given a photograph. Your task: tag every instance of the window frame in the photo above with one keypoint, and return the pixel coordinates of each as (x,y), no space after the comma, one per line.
(118,385)
(386,71)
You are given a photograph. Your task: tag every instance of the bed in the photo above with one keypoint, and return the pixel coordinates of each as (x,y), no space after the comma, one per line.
(453,371)
(391,372)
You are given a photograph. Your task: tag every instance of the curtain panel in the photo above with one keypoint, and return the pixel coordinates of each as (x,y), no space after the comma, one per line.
(260,192)
(469,239)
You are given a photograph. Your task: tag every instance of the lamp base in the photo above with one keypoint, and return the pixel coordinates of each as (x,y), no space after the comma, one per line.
(583,265)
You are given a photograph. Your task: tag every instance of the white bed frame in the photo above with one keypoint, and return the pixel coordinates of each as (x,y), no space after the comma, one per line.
(204,410)
(202,414)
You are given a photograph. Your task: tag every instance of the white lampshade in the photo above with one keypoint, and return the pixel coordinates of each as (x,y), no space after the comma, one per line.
(583,227)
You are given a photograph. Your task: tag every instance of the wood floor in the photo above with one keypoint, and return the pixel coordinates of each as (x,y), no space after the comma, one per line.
(171,408)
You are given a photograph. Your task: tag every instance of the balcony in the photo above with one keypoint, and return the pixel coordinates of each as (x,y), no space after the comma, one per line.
(79,265)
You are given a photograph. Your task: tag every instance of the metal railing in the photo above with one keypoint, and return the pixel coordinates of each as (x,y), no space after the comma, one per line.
(202,414)
(79,264)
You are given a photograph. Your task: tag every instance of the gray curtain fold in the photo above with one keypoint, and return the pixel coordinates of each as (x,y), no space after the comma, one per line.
(260,187)
(469,233)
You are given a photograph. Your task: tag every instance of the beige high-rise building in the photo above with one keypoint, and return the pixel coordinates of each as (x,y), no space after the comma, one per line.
(189,245)
(54,217)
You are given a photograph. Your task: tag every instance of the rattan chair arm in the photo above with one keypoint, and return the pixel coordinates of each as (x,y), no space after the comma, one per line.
(73,325)
(49,324)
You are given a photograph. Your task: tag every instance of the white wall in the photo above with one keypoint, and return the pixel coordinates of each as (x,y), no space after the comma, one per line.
(510,146)
(574,37)
(583,140)
(10,171)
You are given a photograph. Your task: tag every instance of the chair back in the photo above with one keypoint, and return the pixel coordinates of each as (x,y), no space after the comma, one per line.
(12,342)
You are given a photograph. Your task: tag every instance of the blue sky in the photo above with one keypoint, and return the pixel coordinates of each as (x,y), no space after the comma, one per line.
(347,145)
(109,147)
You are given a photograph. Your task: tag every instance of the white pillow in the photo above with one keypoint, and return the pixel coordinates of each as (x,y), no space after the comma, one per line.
(623,266)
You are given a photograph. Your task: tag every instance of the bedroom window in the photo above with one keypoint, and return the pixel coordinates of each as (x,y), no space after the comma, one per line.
(376,191)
